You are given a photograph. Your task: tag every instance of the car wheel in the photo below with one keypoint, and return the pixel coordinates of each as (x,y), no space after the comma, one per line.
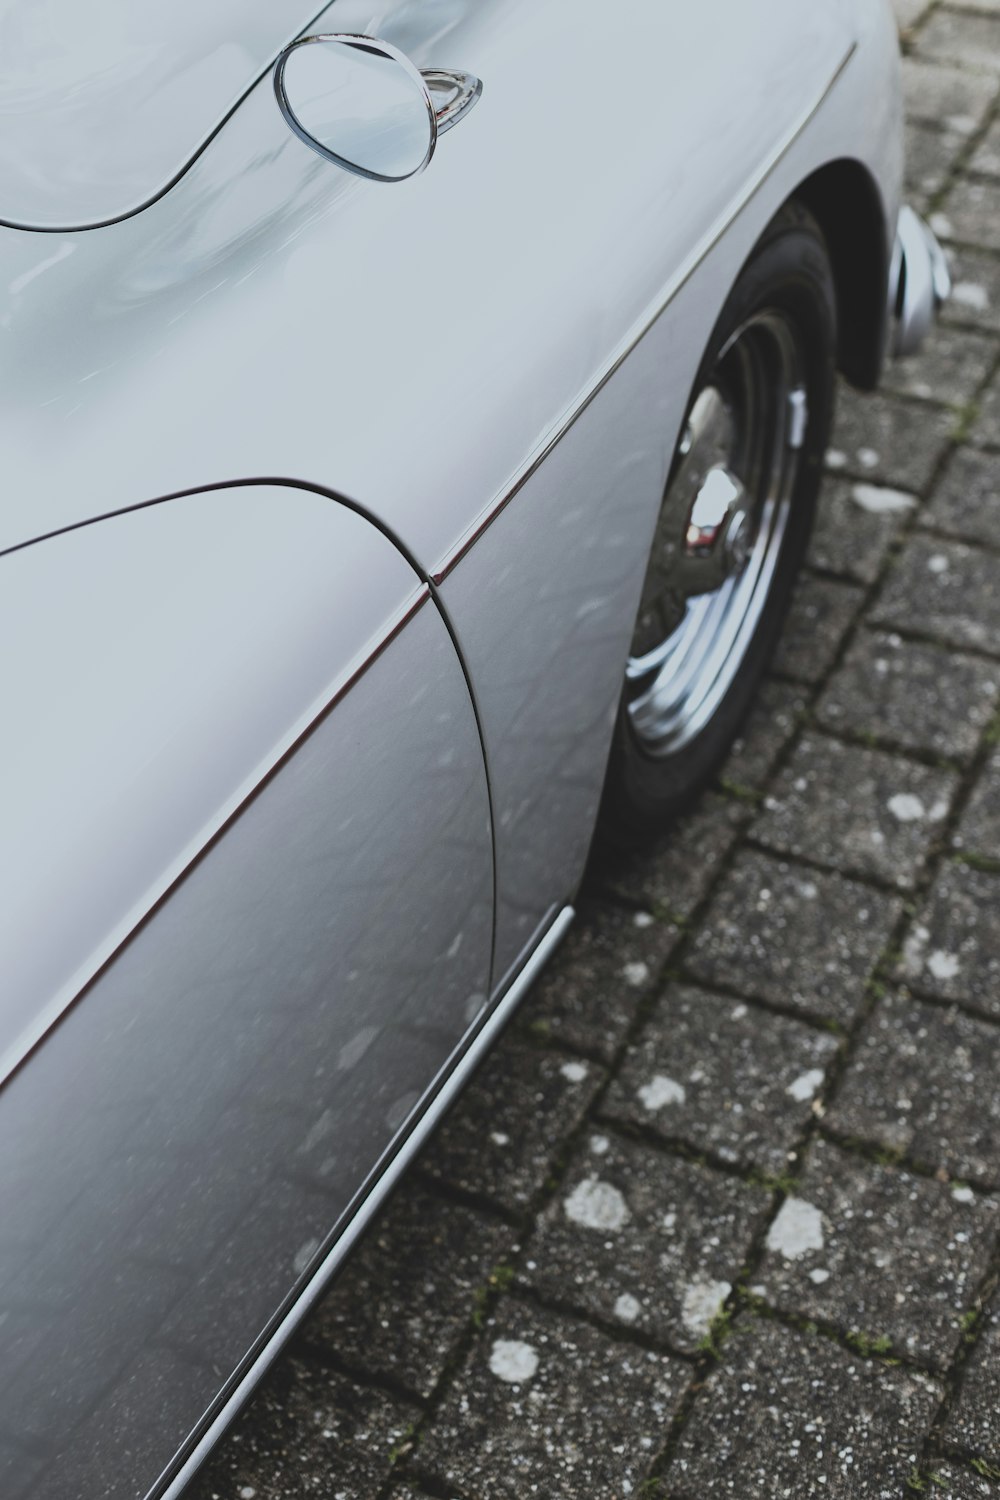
(732,530)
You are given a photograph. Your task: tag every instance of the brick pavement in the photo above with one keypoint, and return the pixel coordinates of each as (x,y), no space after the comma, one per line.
(721,1213)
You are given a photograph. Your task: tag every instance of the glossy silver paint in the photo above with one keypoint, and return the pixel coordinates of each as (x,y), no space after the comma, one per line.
(104,105)
(178,1154)
(492,362)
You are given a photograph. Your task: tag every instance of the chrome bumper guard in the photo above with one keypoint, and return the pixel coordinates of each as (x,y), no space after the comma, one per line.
(919,283)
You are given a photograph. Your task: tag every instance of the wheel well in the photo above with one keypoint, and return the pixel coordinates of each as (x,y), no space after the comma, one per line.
(846,202)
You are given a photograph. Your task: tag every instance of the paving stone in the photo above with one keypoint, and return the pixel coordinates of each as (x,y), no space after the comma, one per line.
(979,829)
(880,1253)
(955,1481)
(951,366)
(966,501)
(723,1077)
(923,1083)
(945,590)
(500,1139)
(975,292)
(974,1422)
(930,158)
(795,937)
(856,524)
(775,717)
(953,949)
(409,1290)
(307,1432)
(610,963)
(549,1406)
(986,431)
(908,12)
(916,696)
(887,441)
(985,160)
(644,1240)
(970,214)
(857,810)
(950,98)
(672,876)
(822,613)
(973,41)
(796,1417)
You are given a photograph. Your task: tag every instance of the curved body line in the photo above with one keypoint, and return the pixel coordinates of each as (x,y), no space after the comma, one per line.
(76,987)
(638,331)
(358,1216)
(161,192)
(235,484)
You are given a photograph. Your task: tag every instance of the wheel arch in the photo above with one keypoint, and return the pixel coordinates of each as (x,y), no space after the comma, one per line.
(844,199)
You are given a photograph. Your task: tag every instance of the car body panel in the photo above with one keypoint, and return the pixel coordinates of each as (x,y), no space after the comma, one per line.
(177,1152)
(232,634)
(212,293)
(104,105)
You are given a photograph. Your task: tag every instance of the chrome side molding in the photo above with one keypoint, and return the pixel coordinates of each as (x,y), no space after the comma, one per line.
(919,284)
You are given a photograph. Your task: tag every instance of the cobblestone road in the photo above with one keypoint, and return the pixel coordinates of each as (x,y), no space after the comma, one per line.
(721,1214)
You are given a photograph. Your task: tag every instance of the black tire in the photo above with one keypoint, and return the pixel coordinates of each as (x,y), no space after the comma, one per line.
(789,276)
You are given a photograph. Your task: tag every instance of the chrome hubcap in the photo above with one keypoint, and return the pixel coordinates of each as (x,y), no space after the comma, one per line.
(719,535)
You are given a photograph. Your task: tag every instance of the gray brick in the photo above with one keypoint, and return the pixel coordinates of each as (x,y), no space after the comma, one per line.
(916,696)
(672,876)
(723,1077)
(500,1140)
(972,41)
(966,501)
(880,1253)
(610,963)
(794,937)
(774,719)
(975,294)
(785,1415)
(644,1240)
(974,1423)
(951,366)
(856,525)
(930,158)
(955,1481)
(986,430)
(923,1083)
(945,590)
(409,1290)
(908,12)
(858,810)
(586,1417)
(979,829)
(947,97)
(986,157)
(953,949)
(887,441)
(822,613)
(970,214)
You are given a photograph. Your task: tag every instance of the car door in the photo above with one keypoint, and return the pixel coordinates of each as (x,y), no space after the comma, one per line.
(247,915)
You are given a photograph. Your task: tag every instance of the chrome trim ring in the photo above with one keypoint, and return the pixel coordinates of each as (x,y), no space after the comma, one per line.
(690,644)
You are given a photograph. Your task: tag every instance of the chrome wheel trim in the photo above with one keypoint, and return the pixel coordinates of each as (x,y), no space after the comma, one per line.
(675,685)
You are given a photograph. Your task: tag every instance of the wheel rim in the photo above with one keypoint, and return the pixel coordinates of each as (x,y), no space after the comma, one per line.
(720,534)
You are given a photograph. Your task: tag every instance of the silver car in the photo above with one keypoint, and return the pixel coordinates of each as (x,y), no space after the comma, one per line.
(413,422)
